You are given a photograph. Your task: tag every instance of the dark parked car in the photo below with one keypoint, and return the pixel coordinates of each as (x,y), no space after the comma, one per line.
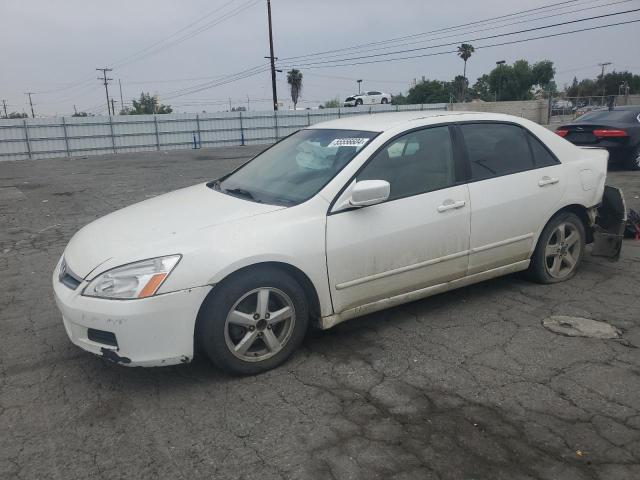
(617,130)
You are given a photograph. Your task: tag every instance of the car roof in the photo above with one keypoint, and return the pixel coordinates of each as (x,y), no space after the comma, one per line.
(381,122)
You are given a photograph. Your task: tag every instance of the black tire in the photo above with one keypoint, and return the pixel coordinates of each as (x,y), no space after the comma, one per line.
(632,162)
(543,266)
(358,102)
(214,332)
(384,101)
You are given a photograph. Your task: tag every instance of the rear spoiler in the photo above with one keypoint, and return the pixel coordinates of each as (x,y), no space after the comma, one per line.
(609,226)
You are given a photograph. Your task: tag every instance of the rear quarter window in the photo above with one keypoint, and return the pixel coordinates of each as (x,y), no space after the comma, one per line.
(542,157)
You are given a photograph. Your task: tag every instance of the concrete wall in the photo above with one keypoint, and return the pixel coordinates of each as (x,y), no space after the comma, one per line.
(535,110)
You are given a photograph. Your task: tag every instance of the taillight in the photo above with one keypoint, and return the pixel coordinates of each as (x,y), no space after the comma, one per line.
(610,132)
(562,133)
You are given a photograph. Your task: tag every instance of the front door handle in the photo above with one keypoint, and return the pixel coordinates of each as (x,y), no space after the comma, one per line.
(544,181)
(451,205)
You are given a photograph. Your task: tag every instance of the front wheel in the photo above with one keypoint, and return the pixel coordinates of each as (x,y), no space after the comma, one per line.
(358,102)
(254,321)
(559,250)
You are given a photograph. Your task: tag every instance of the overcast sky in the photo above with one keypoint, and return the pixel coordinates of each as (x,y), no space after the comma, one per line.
(53,47)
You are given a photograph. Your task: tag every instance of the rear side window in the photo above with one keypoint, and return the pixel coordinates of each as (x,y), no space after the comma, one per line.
(496,149)
(541,156)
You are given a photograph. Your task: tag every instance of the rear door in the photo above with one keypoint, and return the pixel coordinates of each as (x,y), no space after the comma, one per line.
(516,185)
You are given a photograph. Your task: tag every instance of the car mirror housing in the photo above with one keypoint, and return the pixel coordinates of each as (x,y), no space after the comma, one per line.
(369,192)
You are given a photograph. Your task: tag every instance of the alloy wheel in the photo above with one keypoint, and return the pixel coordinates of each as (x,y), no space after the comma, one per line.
(562,251)
(259,324)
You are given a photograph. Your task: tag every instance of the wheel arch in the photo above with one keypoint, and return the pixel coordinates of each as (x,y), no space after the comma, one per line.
(580,211)
(298,275)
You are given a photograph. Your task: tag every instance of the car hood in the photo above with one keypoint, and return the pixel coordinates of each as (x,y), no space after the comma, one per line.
(154,227)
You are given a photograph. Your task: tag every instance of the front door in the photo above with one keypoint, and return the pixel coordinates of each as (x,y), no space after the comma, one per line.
(419,237)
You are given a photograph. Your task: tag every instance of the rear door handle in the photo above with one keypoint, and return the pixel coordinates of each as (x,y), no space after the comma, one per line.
(451,205)
(544,181)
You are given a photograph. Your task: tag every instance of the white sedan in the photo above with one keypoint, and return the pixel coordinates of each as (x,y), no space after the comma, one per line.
(336,221)
(372,97)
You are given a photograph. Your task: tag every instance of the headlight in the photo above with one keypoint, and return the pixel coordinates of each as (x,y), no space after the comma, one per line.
(135,280)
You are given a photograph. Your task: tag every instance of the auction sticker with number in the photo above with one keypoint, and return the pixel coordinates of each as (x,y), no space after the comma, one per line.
(348,142)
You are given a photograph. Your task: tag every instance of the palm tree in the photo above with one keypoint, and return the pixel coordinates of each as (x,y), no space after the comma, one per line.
(294,79)
(464,52)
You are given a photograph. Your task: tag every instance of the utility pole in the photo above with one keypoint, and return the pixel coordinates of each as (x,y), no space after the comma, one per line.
(121,101)
(4,104)
(33,115)
(229,103)
(359,83)
(273,59)
(604,87)
(113,107)
(248,103)
(106,81)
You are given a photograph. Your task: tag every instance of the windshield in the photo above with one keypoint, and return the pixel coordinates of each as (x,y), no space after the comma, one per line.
(296,168)
(610,115)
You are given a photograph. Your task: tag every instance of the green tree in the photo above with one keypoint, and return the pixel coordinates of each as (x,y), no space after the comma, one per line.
(80,114)
(294,79)
(399,99)
(429,91)
(147,104)
(17,115)
(543,73)
(482,89)
(460,88)
(333,103)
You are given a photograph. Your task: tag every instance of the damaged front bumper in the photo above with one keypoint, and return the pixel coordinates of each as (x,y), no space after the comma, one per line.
(608,224)
(147,332)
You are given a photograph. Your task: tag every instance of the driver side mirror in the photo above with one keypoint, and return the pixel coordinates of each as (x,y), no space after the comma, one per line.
(369,192)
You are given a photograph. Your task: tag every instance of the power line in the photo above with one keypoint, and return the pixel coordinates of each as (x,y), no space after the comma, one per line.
(477,48)
(433,38)
(152,51)
(215,10)
(455,27)
(467,40)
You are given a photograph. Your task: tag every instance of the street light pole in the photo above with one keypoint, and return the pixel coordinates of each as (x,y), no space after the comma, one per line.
(359,82)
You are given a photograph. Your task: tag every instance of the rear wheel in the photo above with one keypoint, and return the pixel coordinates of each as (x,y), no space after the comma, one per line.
(633,160)
(254,321)
(559,250)
(384,100)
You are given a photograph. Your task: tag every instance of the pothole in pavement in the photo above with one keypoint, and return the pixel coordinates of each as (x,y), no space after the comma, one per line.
(580,327)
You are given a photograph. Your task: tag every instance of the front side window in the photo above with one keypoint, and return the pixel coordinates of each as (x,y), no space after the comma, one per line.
(296,168)
(418,162)
(496,149)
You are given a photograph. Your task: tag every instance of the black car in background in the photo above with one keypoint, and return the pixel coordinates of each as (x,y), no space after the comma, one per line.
(617,130)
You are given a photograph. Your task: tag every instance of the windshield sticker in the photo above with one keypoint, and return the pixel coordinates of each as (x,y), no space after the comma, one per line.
(348,142)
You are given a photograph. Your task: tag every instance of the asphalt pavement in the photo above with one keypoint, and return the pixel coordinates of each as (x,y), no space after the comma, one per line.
(464,385)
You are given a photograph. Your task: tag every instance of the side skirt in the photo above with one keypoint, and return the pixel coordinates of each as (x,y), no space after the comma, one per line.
(333,320)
